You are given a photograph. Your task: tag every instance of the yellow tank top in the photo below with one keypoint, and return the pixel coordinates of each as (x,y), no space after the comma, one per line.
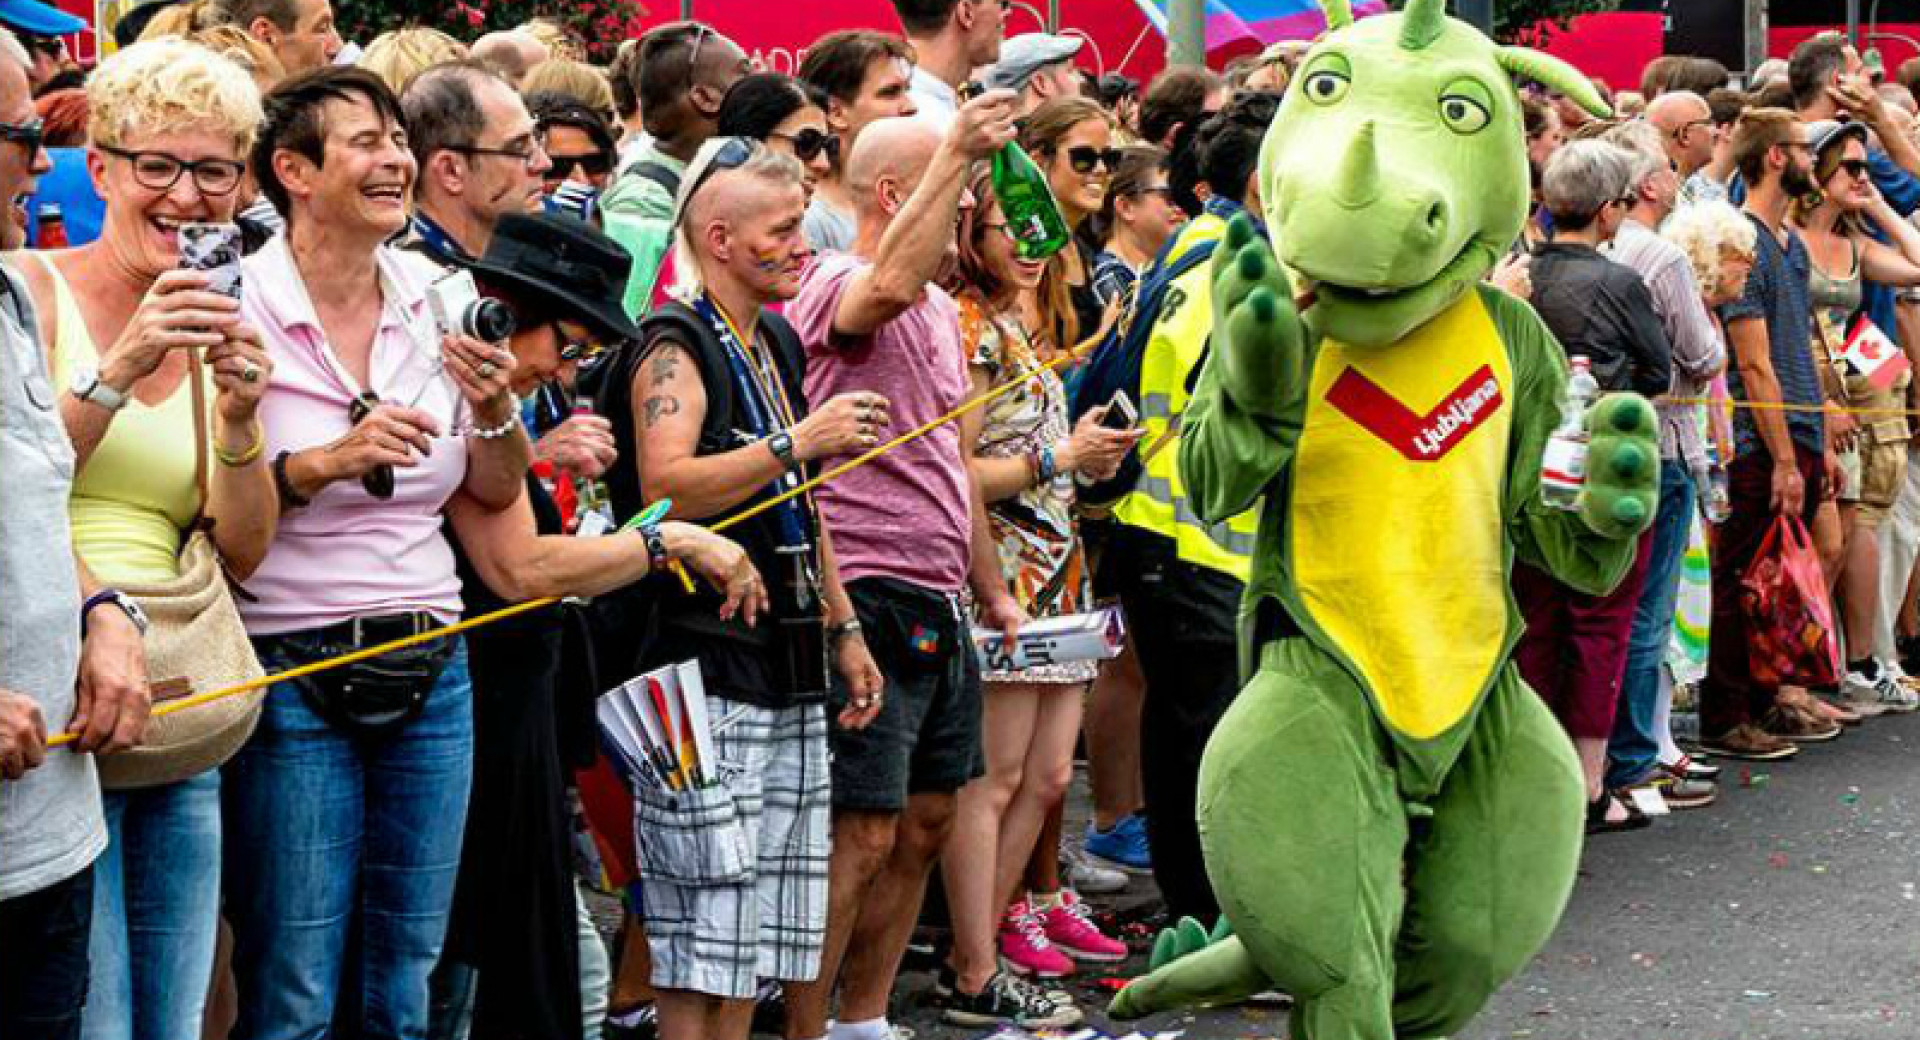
(133,501)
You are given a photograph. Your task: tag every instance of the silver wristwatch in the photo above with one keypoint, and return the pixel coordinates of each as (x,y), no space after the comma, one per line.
(87,386)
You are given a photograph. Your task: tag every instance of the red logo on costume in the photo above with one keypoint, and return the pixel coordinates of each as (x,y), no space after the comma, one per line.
(1421,438)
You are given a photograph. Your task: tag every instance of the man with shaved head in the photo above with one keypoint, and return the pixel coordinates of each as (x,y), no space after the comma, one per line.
(1687,129)
(873,320)
(711,415)
(509,53)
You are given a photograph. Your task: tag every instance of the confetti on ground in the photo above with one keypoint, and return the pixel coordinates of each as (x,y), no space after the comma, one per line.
(1777,861)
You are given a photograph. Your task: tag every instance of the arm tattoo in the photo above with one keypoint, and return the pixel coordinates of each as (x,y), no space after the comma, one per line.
(665,364)
(657,408)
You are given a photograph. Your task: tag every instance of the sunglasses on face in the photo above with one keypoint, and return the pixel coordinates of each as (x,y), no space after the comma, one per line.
(30,135)
(594,164)
(1084,158)
(579,349)
(809,143)
(1855,168)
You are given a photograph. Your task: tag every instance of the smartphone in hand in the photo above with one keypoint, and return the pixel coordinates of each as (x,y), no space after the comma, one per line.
(215,249)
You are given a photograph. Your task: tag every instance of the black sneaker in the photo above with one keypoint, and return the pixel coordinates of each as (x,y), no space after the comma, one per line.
(1007,1000)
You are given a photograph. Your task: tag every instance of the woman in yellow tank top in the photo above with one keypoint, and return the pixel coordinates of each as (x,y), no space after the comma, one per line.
(126,329)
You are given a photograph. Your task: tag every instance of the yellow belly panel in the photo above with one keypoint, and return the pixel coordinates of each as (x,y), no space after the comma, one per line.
(1395,520)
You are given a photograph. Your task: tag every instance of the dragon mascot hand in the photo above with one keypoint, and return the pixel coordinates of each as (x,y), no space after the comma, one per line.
(1391,819)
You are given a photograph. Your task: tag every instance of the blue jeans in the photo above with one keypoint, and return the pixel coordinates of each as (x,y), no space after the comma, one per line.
(1634,749)
(156,911)
(341,856)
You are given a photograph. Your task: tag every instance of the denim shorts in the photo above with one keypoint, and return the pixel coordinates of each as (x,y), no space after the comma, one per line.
(926,738)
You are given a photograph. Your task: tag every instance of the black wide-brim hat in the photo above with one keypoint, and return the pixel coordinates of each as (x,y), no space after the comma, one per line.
(564,264)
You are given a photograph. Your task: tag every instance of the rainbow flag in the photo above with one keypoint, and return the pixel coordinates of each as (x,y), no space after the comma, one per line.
(1267,21)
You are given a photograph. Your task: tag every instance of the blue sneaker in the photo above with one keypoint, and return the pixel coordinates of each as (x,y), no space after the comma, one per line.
(1124,847)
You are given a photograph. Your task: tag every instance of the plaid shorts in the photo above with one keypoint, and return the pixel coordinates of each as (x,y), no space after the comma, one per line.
(734,876)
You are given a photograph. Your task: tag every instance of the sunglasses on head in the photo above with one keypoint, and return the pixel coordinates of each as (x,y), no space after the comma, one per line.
(1085,157)
(595,164)
(732,154)
(809,143)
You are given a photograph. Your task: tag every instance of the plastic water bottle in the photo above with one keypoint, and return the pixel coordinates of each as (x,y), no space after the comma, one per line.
(1716,498)
(593,514)
(1563,466)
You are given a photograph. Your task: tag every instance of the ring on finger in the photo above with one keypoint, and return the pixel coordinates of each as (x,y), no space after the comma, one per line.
(485,370)
(249,372)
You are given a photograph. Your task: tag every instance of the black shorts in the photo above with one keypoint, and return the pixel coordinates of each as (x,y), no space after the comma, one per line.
(926,738)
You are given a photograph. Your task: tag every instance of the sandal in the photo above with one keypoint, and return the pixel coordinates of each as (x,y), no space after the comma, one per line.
(1597,822)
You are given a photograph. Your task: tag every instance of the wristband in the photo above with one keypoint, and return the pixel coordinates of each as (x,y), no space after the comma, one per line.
(253,451)
(836,634)
(1045,467)
(289,498)
(657,557)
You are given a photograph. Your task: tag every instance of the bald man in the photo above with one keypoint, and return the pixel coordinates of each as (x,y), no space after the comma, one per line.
(510,53)
(873,319)
(1686,129)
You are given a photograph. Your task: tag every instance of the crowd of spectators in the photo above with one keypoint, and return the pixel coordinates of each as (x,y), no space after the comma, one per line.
(692,288)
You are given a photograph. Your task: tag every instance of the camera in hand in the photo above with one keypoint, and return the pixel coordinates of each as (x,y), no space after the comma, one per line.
(460,310)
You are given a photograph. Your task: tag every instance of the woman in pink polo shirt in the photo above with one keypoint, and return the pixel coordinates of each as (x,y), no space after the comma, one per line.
(346,809)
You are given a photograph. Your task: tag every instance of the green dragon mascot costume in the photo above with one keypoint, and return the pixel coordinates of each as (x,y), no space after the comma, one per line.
(1391,819)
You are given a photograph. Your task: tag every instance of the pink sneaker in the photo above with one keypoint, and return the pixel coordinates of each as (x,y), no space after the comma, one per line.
(1025,948)
(1072,931)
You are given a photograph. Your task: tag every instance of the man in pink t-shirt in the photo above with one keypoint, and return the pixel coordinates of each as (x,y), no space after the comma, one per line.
(872,320)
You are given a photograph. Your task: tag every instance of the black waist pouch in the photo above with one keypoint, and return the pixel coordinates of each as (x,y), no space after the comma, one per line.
(910,629)
(379,696)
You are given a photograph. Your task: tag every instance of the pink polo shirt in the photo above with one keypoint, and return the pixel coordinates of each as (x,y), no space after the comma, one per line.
(349,554)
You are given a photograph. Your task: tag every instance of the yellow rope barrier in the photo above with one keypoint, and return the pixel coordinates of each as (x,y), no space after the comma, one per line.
(315,667)
(974,404)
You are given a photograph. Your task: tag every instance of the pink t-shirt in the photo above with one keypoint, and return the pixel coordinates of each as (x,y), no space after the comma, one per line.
(904,515)
(349,554)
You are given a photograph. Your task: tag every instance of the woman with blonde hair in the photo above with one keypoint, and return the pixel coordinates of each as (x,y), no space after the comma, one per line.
(166,386)
(575,79)
(398,55)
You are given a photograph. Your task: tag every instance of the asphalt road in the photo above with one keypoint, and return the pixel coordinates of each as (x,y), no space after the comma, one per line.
(1789,911)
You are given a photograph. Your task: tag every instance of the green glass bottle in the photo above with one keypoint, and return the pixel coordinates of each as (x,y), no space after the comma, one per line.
(1026,200)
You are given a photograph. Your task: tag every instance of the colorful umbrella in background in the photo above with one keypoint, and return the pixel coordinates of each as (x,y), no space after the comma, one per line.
(1263,21)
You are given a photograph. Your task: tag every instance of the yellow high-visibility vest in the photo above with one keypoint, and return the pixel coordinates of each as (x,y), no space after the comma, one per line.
(1158,502)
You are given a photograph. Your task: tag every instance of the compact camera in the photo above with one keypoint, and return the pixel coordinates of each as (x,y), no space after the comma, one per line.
(460,310)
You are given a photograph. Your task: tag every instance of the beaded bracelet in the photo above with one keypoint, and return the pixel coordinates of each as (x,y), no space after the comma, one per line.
(494,433)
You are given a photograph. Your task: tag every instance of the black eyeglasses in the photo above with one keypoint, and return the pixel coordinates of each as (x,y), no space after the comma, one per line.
(1085,157)
(595,164)
(158,171)
(809,143)
(31,135)
(1856,168)
(1161,190)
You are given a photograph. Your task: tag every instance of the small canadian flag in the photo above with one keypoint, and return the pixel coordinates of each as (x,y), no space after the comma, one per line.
(1873,355)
